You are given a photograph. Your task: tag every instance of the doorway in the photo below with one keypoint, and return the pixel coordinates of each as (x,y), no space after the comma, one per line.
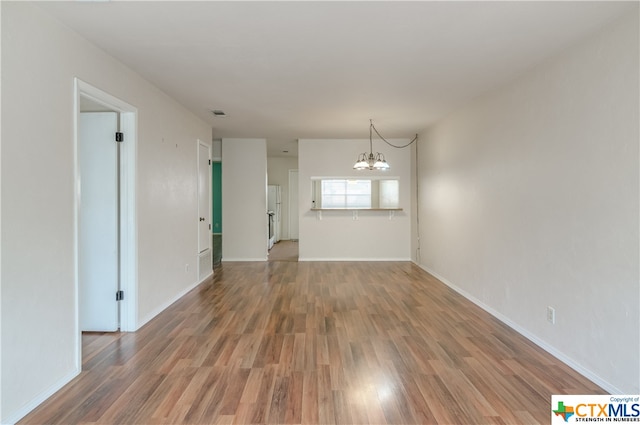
(105,218)
(285,250)
(216,200)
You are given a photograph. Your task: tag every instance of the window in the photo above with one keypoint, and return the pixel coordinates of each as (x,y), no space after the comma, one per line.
(389,193)
(346,194)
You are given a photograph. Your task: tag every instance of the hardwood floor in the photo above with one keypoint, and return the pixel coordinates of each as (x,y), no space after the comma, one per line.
(216,249)
(284,251)
(315,343)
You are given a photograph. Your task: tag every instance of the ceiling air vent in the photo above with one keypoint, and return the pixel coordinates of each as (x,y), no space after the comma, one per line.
(218,113)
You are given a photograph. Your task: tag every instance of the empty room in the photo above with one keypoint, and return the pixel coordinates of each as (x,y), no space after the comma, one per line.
(319,212)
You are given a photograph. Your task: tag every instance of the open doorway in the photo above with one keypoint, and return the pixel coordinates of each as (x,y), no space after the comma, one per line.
(285,250)
(282,209)
(104,143)
(216,232)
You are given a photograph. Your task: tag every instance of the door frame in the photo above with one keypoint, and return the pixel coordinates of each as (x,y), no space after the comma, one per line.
(128,219)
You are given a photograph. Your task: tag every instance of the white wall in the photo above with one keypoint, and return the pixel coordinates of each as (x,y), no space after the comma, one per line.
(529,198)
(40,59)
(1,416)
(216,149)
(244,200)
(278,174)
(337,236)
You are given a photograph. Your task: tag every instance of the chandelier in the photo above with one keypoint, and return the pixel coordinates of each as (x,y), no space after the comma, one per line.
(377,161)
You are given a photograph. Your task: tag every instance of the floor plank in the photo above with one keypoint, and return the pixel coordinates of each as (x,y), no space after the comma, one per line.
(284,251)
(314,343)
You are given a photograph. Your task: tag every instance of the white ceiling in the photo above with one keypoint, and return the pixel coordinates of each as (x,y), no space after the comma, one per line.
(289,70)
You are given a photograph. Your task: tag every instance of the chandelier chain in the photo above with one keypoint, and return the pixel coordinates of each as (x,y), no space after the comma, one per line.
(373,127)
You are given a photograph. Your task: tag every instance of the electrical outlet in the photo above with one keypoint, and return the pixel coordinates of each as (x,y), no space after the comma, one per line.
(186,268)
(551,315)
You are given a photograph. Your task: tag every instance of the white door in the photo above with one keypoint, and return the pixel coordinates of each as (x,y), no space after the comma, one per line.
(273,204)
(293,204)
(278,216)
(205,265)
(204,197)
(98,222)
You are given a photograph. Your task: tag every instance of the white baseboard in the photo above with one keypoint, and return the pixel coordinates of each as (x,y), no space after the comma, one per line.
(207,277)
(233,260)
(607,386)
(39,399)
(352,259)
(165,305)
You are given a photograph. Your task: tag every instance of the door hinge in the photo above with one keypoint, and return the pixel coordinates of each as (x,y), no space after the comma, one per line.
(119,295)
(209,226)
(119,136)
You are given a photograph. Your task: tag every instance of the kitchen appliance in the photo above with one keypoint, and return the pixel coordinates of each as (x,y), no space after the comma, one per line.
(274,212)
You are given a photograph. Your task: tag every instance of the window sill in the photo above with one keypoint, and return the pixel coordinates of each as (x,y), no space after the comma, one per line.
(356,209)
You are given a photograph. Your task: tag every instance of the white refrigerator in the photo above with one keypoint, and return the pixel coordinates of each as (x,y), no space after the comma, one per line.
(274,203)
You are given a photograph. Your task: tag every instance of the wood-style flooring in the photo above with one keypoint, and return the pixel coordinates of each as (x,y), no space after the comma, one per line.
(216,249)
(315,343)
(284,251)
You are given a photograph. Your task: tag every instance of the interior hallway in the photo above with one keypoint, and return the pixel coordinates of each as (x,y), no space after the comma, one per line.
(315,342)
(284,251)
